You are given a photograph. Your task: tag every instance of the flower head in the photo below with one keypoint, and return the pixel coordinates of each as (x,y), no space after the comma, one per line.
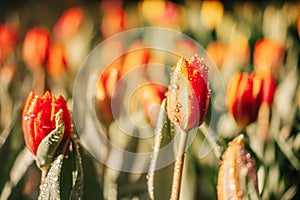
(7,40)
(188,93)
(244,96)
(237,170)
(69,23)
(36,47)
(38,119)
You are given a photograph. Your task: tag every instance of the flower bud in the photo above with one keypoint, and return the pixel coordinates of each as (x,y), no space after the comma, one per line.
(7,41)
(152,96)
(36,47)
(68,24)
(39,116)
(188,93)
(57,63)
(237,176)
(244,96)
(268,56)
(269,86)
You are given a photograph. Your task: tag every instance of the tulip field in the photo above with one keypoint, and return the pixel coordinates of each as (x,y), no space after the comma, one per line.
(178,100)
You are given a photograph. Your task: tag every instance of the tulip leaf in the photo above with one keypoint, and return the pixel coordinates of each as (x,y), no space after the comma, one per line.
(48,147)
(51,186)
(77,173)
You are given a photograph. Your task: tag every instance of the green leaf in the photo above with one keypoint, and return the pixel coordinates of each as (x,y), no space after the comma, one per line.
(77,173)
(49,145)
(50,189)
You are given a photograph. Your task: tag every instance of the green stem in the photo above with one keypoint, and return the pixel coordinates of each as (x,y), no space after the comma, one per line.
(177,174)
(157,142)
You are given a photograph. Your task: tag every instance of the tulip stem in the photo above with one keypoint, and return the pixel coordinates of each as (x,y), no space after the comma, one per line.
(43,177)
(177,174)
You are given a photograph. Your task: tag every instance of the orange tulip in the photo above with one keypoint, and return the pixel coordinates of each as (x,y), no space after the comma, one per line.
(7,41)
(36,47)
(38,119)
(244,96)
(68,24)
(188,93)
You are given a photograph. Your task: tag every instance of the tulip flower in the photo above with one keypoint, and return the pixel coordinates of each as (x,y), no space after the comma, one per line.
(36,47)
(152,96)
(237,178)
(268,56)
(57,63)
(39,119)
(7,41)
(68,24)
(188,93)
(104,94)
(244,96)
(187,103)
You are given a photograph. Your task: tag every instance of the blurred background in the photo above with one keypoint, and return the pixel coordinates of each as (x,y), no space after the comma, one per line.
(238,36)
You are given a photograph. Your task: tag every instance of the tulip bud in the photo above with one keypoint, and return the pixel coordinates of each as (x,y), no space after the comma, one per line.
(244,96)
(188,93)
(152,96)
(269,86)
(36,47)
(104,94)
(268,56)
(7,41)
(39,119)
(68,24)
(57,63)
(237,178)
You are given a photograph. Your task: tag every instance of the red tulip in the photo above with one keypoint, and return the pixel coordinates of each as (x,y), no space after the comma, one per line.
(36,47)
(268,56)
(269,86)
(151,97)
(7,41)
(68,24)
(188,93)
(57,63)
(237,176)
(104,93)
(38,119)
(244,96)
(113,22)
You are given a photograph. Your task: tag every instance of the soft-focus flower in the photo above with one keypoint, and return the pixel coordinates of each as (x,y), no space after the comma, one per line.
(113,21)
(138,56)
(7,41)
(151,97)
(237,176)
(68,24)
(161,13)
(188,93)
(104,93)
(36,47)
(57,63)
(268,89)
(217,51)
(268,56)
(38,119)
(211,13)
(244,96)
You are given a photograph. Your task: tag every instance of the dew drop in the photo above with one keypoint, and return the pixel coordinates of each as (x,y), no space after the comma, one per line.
(26,117)
(177,110)
(179,105)
(240,193)
(176,119)
(232,187)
